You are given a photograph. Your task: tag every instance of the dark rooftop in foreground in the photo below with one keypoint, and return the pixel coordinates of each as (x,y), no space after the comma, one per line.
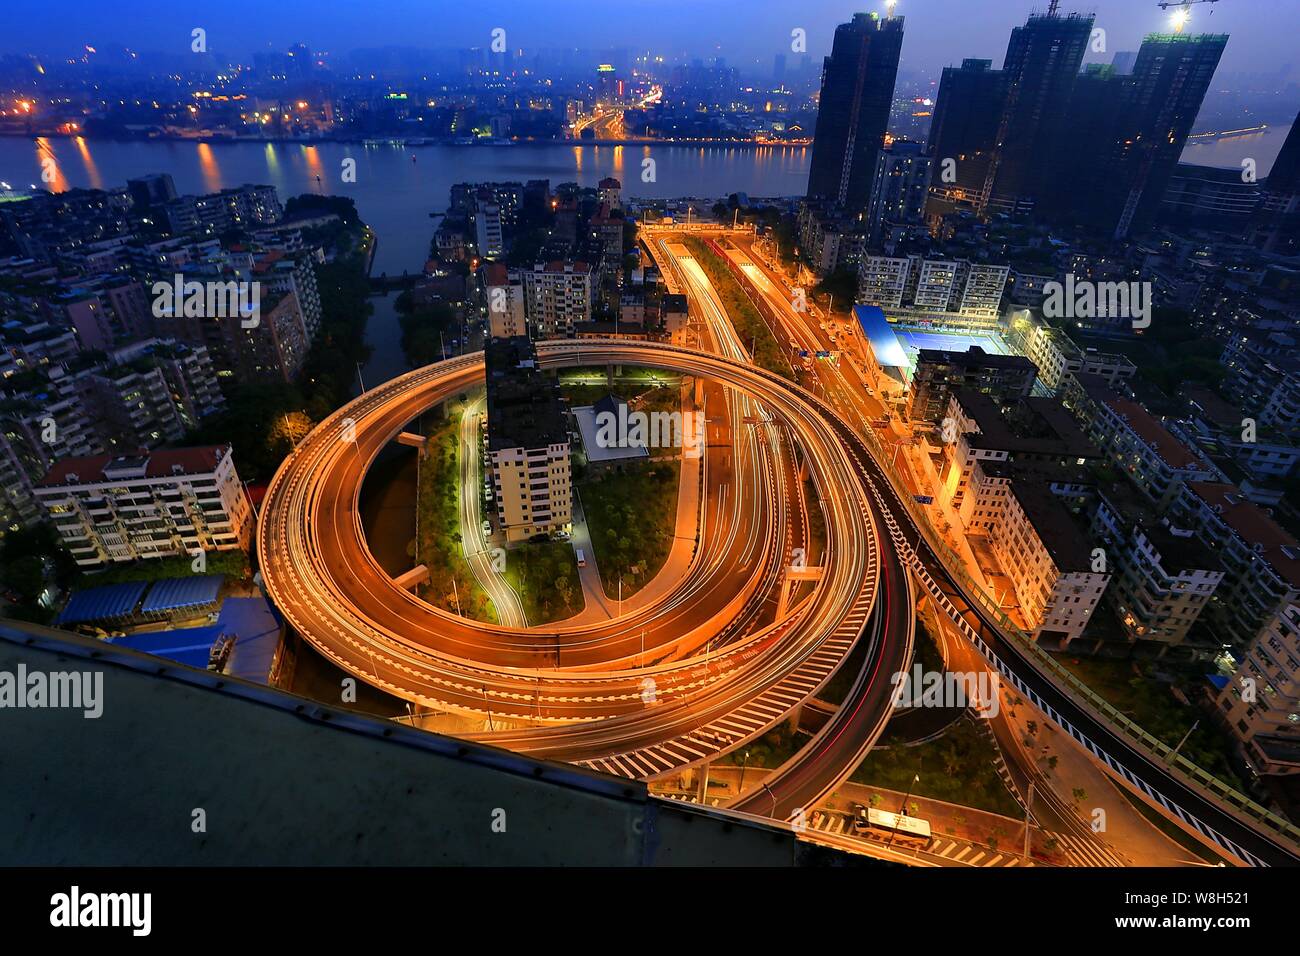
(524,409)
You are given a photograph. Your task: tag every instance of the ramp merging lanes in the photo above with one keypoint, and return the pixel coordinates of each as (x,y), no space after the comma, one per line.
(310,535)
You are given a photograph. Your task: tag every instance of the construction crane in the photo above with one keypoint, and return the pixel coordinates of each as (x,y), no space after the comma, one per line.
(1182,11)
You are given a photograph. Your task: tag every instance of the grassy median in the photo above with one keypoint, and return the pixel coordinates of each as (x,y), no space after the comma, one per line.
(632,517)
(439,544)
(749,323)
(545,576)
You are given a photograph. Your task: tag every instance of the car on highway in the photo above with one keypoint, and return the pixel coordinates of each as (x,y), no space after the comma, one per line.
(582,558)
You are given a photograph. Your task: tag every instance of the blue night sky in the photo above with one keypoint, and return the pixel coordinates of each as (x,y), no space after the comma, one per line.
(747,32)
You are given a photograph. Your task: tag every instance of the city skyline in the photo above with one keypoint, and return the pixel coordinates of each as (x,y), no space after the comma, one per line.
(667,27)
(491,457)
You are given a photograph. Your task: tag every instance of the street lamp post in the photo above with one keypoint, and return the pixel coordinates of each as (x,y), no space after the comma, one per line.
(1029,802)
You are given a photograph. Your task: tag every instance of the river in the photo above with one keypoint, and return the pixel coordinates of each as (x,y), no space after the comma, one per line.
(398,187)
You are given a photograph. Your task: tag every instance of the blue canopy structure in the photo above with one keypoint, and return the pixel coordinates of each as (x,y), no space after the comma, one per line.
(112,602)
(884,343)
(178,594)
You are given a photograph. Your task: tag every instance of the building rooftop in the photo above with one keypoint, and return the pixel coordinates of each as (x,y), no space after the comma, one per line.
(974,357)
(162,463)
(524,409)
(1062,535)
(1145,425)
(1253,525)
(1036,426)
(1214,409)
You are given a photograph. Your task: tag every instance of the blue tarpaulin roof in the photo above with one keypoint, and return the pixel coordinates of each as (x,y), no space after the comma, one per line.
(252,622)
(884,343)
(102,604)
(173,594)
(186,646)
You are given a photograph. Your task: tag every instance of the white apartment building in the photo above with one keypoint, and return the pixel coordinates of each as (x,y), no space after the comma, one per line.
(147,505)
(1057,357)
(489,239)
(1033,432)
(1260,704)
(557,295)
(533,490)
(1044,554)
(1161,586)
(505,302)
(985,286)
(1156,461)
(936,285)
(882,281)
(942,289)
(528,443)
(1260,558)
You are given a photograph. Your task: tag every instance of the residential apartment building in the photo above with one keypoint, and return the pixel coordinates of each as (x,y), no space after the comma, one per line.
(1155,460)
(489,239)
(1041,549)
(242,207)
(1005,378)
(528,443)
(1057,356)
(1264,379)
(1260,703)
(1037,432)
(281,274)
(831,239)
(1261,559)
(1163,577)
(557,296)
(901,187)
(147,505)
(942,290)
(505,302)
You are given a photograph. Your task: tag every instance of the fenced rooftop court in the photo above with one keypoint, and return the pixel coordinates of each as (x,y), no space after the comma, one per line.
(914,338)
(895,344)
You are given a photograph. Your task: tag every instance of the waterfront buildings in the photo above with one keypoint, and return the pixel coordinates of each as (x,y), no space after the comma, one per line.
(853,111)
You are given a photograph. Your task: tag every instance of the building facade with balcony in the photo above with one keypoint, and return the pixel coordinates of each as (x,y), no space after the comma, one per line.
(113,509)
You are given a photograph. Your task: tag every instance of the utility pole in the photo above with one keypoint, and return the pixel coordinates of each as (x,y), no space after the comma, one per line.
(1183,741)
(1029,802)
(361,381)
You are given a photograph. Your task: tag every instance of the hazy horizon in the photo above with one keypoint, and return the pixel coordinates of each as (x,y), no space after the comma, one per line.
(939,32)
